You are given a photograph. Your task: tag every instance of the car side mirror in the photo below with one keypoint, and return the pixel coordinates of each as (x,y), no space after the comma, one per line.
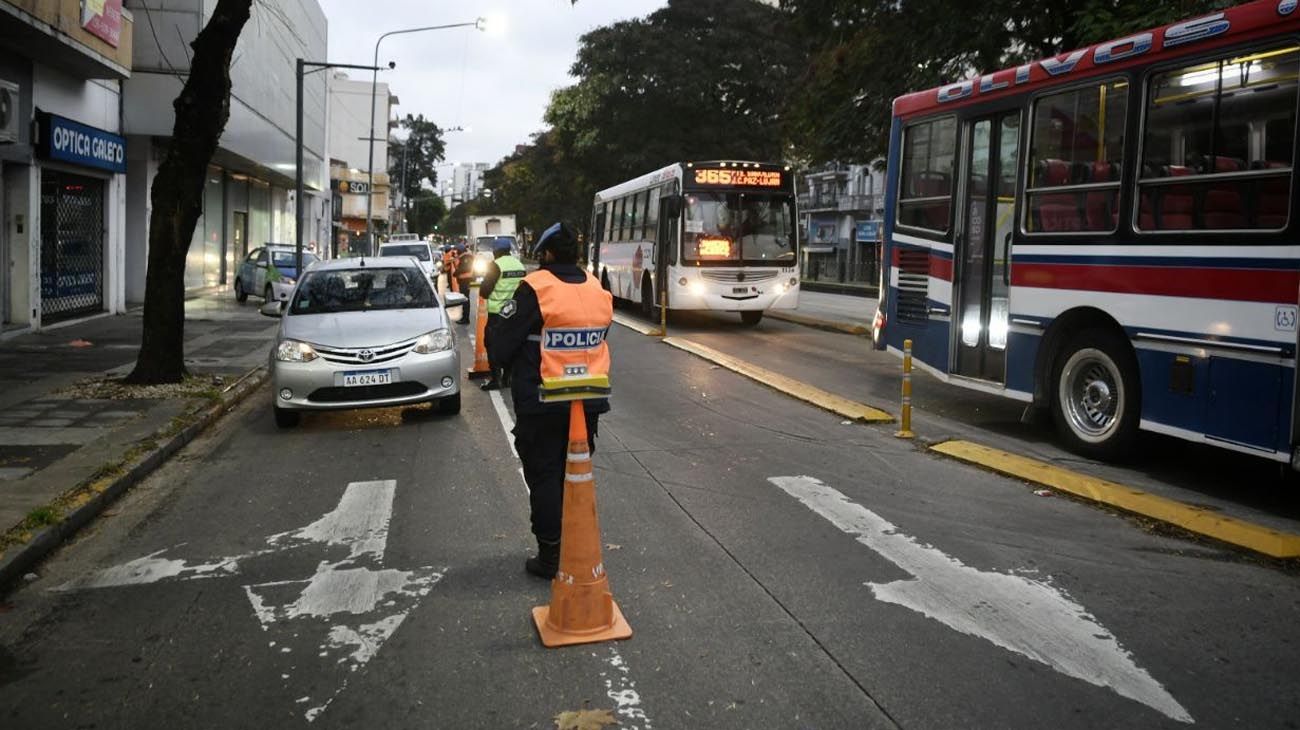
(272,309)
(455,299)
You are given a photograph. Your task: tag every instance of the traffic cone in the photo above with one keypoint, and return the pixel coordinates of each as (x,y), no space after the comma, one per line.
(482,368)
(582,610)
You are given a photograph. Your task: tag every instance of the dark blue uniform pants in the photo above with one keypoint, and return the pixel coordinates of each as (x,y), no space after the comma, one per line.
(543,445)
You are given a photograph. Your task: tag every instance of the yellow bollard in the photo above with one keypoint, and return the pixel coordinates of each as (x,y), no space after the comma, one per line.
(905,431)
(663,313)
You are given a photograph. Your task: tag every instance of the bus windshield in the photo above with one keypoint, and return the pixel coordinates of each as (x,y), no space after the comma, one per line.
(738,228)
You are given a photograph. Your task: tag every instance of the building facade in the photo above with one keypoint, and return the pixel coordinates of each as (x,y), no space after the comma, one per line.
(249,196)
(464,183)
(62,158)
(842,207)
(350,150)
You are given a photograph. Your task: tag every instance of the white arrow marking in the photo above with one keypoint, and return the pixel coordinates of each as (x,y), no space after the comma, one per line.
(1025,616)
(360,521)
(377,599)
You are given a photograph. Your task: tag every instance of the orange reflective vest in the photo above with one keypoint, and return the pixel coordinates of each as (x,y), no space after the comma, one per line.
(575,320)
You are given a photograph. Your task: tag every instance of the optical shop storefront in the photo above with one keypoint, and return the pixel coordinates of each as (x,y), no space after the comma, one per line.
(81,211)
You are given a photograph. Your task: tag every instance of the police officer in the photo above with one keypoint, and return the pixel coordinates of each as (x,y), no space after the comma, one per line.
(464,275)
(503,276)
(559,294)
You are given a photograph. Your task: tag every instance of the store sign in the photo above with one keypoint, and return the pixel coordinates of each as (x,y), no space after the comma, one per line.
(350,187)
(867,231)
(60,138)
(737,177)
(103,18)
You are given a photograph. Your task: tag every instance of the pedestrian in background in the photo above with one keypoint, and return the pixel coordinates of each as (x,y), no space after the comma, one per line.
(560,295)
(464,277)
(502,278)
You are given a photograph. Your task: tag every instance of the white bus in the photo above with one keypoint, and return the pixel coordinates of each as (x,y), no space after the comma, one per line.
(717,235)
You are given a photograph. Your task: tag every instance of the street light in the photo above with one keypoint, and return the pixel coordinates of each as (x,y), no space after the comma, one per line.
(297,151)
(482,24)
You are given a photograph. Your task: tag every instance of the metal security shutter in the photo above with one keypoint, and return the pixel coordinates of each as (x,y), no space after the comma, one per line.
(72,245)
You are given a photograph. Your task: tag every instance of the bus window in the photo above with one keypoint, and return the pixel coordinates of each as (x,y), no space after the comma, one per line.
(1234,115)
(651,215)
(1076,154)
(633,220)
(925,199)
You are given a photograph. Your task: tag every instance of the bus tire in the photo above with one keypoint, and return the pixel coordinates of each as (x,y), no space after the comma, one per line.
(604,279)
(1096,394)
(751,318)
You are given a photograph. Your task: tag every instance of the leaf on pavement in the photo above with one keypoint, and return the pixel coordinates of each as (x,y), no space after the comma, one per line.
(584,720)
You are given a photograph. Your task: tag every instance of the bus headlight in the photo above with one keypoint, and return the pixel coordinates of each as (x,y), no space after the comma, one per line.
(696,288)
(480,267)
(779,289)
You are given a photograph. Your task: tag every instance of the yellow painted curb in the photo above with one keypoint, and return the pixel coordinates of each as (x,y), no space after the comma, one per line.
(633,324)
(1195,519)
(791,387)
(823,324)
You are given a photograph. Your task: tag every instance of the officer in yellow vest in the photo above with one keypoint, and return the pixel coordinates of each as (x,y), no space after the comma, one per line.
(554,327)
(502,278)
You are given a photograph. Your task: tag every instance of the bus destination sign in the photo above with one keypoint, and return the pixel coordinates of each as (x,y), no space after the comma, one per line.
(738,178)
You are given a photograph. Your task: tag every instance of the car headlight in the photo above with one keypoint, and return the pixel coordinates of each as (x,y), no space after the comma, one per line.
(287,281)
(431,342)
(294,351)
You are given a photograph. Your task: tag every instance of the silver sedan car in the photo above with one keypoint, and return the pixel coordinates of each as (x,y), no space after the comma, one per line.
(363,333)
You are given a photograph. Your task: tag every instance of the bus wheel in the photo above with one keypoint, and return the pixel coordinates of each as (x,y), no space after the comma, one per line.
(1097,395)
(648,307)
(604,280)
(751,318)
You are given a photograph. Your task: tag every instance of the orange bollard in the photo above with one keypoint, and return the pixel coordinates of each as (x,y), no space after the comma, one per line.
(582,610)
(482,368)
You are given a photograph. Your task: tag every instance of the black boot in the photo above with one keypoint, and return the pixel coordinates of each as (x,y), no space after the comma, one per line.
(492,384)
(547,560)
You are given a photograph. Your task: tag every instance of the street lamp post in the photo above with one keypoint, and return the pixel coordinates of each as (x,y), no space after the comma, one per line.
(479,23)
(297,150)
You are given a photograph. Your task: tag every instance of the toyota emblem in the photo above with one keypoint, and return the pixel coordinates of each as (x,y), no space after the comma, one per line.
(366,355)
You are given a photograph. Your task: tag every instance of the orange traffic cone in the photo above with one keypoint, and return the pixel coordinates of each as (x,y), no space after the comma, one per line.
(582,610)
(481,368)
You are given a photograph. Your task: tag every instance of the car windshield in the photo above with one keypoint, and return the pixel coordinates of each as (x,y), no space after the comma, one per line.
(360,290)
(288,259)
(418,250)
(485,243)
(738,227)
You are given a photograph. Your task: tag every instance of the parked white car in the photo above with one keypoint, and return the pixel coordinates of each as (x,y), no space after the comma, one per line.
(423,252)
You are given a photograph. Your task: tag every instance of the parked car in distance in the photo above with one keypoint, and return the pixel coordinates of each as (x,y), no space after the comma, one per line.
(422,252)
(363,333)
(264,267)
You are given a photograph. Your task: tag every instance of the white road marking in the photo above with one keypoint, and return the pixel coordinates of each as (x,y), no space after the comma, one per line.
(1025,616)
(622,690)
(360,521)
(507,425)
(354,605)
(619,687)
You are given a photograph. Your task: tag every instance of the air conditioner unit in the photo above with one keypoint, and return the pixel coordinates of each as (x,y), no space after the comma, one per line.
(8,111)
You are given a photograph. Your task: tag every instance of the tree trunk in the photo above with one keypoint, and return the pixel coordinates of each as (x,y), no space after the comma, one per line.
(177,193)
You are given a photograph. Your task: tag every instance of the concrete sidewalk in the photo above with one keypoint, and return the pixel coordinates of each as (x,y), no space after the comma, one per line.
(61,429)
(835,312)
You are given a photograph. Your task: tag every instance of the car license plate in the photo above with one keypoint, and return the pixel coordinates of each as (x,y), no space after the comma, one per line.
(739,290)
(367,377)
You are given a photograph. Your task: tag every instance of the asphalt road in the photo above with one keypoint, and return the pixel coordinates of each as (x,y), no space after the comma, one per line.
(781,569)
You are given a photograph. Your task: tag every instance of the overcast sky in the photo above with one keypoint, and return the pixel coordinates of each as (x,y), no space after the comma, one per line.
(495,87)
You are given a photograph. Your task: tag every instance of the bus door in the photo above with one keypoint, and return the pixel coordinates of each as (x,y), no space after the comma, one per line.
(983,246)
(666,241)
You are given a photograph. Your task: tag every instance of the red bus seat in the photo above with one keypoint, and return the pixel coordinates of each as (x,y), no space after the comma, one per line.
(1175,204)
(1100,205)
(1222,206)
(1056,212)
